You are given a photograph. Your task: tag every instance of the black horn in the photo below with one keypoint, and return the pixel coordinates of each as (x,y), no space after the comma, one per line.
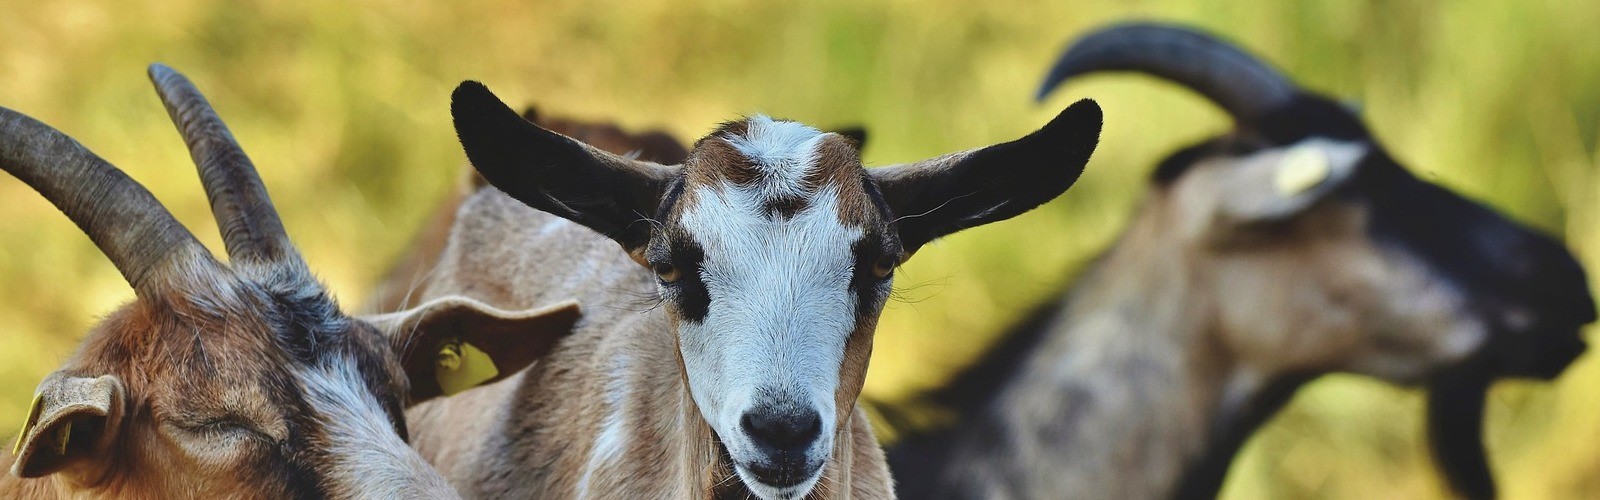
(1240,83)
(135,231)
(251,230)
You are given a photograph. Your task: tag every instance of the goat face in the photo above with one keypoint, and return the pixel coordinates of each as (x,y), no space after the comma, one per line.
(773,251)
(1363,266)
(1328,255)
(242,380)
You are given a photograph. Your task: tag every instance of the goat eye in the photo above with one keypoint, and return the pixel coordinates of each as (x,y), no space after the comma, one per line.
(885,266)
(667,272)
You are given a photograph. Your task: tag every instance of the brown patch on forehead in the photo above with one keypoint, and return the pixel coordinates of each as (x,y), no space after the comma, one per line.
(837,164)
(715,160)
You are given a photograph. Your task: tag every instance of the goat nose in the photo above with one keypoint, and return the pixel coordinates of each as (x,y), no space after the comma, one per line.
(790,431)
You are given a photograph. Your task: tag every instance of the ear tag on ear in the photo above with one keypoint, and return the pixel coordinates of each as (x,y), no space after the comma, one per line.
(461,366)
(1301,169)
(27,425)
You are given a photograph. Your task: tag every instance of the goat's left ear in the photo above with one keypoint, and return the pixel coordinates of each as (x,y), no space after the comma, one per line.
(72,418)
(1277,184)
(936,197)
(454,343)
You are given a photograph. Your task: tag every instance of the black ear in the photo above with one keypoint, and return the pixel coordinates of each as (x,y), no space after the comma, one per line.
(936,197)
(610,194)
(856,133)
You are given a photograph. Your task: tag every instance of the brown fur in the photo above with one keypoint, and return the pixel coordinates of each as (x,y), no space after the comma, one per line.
(242,380)
(401,286)
(1180,327)
(502,251)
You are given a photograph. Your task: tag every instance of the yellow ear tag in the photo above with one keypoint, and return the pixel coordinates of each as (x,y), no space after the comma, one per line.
(27,425)
(1302,168)
(461,366)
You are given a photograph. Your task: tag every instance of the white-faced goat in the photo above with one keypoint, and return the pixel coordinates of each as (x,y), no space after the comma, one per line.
(771,252)
(239,380)
(1292,247)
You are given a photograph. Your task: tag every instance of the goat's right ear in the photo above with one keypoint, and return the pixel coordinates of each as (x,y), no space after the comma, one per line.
(487,343)
(612,195)
(72,418)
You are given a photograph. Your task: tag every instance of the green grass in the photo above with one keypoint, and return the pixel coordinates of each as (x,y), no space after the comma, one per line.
(344,107)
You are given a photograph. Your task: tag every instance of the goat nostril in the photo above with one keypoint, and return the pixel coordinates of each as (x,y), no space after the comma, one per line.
(786,431)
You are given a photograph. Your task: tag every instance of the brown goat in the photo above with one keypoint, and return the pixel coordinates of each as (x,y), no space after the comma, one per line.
(727,340)
(240,380)
(1293,247)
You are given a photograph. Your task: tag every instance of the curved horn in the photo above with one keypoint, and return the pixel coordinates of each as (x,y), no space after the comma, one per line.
(122,218)
(251,230)
(1238,82)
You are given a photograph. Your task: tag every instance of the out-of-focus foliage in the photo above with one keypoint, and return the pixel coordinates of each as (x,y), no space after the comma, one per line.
(344,107)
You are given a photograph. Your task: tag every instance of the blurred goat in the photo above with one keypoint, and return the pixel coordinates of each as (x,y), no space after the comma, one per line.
(727,339)
(1292,247)
(239,380)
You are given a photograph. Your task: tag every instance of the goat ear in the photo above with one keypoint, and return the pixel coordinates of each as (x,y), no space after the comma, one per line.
(1277,184)
(936,197)
(485,343)
(610,194)
(856,133)
(72,418)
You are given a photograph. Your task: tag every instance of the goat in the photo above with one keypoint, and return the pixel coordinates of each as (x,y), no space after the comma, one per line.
(1292,247)
(403,283)
(239,380)
(759,267)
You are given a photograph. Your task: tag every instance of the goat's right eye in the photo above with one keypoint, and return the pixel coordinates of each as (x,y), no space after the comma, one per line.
(668,273)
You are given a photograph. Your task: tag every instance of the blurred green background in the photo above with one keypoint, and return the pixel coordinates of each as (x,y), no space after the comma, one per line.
(344,107)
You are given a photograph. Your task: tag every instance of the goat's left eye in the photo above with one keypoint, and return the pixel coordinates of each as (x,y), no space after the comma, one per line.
(885,266)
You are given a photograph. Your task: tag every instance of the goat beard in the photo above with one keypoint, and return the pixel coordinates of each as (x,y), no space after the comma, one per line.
(1456,398)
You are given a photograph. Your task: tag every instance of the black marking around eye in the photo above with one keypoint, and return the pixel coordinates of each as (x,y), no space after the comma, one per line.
(870,290)
(689,292)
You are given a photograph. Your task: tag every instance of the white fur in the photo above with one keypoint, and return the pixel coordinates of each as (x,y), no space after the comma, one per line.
(613,436)
(366,454)
(781,306)
(784,151)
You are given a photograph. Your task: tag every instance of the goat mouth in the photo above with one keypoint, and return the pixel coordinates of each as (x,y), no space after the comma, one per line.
(780,476)
(778,484)
(1540,353)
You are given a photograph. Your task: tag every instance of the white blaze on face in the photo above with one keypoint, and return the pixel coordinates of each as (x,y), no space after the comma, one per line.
(781,307)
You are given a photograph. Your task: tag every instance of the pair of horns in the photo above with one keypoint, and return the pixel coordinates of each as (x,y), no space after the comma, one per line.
(140,237)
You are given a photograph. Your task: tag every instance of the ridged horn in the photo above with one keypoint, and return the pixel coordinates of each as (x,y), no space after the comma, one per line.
(133,230)
(251,229)
(1240,83)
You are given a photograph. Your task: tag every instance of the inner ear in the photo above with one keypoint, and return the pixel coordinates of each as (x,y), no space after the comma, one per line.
(1277,184)
(511,339)
(73,419)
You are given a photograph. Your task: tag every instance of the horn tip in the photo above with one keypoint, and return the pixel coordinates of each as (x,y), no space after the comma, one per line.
(159,71)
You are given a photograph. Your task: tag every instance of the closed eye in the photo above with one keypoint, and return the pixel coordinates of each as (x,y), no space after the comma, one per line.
(228,428)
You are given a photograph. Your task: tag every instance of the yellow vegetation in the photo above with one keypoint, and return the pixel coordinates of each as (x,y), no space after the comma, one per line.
(344,107)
